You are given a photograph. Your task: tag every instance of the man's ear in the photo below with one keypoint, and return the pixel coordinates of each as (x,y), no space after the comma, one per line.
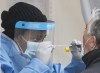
(93,41)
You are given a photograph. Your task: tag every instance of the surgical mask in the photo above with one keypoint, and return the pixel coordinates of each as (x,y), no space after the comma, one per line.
(31,49)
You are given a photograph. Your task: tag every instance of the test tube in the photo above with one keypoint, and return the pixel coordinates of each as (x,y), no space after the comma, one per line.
(67,49)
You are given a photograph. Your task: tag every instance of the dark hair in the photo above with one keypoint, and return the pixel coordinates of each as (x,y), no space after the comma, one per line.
(20,12)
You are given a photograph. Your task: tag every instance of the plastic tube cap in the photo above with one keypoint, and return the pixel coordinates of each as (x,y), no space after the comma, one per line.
(67,49)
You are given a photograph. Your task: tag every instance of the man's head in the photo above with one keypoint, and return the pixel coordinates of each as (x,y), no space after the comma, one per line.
(20,12)
(91,37)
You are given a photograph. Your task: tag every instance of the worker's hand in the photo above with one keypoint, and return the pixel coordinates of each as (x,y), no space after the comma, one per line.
(76,49)
(44,52)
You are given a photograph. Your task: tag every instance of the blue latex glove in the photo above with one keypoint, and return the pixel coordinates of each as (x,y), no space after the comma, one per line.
(76,49)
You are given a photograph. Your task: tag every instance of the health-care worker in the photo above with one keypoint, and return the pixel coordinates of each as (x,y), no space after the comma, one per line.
(26,43)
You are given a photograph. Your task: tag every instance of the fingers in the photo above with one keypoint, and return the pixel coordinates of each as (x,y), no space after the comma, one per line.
(76,42)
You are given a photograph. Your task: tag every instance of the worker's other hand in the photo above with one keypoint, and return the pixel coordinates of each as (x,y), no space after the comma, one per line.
(44,52)
(76,49)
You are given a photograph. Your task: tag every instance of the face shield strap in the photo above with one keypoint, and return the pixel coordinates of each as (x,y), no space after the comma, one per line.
(50,25)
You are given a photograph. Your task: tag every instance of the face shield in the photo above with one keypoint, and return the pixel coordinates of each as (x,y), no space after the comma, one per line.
(35,31)
(38,36)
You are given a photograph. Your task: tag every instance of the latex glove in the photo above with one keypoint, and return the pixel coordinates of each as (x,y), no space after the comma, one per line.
(44,52)
(76,49)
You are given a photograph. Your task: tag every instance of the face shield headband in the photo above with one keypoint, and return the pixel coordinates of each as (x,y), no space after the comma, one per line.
(50,25)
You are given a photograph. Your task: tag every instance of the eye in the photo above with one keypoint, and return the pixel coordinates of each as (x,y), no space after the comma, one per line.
(38,40)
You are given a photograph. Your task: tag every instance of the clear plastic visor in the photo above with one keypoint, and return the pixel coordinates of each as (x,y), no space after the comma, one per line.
(35,31)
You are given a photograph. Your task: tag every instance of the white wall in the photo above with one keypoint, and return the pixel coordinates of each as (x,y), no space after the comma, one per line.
(2,7)
(69,26)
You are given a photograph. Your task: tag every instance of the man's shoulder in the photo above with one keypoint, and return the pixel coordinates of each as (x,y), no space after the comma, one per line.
(88,71)
(93,69)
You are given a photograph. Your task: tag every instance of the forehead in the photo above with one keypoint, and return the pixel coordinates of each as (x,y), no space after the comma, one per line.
(37,31)
(34,32)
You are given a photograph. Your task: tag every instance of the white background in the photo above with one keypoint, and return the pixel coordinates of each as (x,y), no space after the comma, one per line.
(69,23)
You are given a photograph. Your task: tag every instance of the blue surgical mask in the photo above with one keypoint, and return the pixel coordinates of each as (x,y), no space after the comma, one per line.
(31,49)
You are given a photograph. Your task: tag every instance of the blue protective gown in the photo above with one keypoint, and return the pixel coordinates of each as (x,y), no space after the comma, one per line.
(12,61)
